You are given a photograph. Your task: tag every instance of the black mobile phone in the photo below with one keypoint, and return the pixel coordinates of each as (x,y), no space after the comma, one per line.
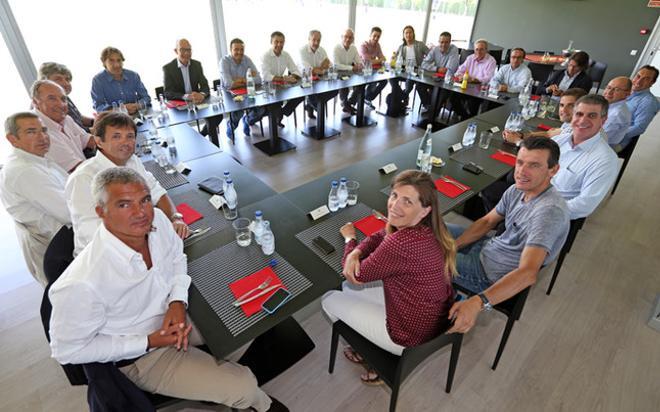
(473,168)
(323,244)
(276,300)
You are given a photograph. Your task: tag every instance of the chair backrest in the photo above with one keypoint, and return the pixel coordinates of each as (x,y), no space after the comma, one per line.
(597,72)
(497,55)
(216,83)
(159,90)
(576,225)
(464,53)
(629,149)
(415,355)
(540,72)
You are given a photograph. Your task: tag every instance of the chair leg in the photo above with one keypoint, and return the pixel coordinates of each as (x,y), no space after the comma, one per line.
(505,336)
(261,127)
(560,261)
(395,393)
(333,349)
(453,361)
(295,119)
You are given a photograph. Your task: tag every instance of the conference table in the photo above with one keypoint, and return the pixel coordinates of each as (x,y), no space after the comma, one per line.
(215,260)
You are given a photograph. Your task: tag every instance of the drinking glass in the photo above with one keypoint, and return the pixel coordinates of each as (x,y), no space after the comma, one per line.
(543,107)
(550,108)
(142,109)
(242,231)
(484,139)
(352,186)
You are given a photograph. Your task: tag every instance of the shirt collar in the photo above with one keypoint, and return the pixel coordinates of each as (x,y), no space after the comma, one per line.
(108,77)
(617,104)
(588,144)
(639,93)
(180,65)
(27,156)
(120,248)
(48,122)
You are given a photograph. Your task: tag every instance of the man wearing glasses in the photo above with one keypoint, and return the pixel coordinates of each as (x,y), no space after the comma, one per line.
(618,115)
(513,77)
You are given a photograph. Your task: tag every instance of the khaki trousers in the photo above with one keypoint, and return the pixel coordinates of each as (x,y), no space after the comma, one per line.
(196,375)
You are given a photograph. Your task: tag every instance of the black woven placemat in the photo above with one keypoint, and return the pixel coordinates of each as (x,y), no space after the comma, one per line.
(213,217)
(481,157)
(213,272)
(328,229)
(168,181)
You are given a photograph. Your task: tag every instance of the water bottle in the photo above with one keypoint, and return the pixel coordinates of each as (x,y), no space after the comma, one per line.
(115,107)
(267,239)
(251,91)
(171,143)
(342,193)
(422,145)
(426,157)
(333,199)
(224,180)
(258,226)
(449,76)
(470,135)
(231,208)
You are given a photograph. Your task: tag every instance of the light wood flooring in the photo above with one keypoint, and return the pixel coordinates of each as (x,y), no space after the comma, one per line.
(586,347)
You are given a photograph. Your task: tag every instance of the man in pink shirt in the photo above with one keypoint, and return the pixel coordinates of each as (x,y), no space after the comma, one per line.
(480,67)
(370,50)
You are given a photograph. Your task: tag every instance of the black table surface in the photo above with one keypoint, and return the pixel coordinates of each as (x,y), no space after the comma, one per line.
(190,144)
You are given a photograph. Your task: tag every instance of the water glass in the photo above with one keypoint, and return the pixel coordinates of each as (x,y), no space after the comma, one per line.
(352,186)
(142,109)
(484,88)
(550,107)
(242,231)
(484,139)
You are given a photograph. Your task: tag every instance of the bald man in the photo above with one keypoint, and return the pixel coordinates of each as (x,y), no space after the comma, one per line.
(618,115)
(183,79)
(347,58)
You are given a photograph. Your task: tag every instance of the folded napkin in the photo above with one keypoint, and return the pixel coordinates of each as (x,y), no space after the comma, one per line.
(449,189)
(439,75)
(240,287)
(171,104)
(509,159)
(535,97)
(238,92)
(190,215)
(369,225)
(543,127)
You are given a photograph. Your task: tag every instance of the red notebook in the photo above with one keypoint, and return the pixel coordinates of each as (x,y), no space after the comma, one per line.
(190,215)
(509,159)
(542,126)
(238,92)
(448,189)
(369,225)
(171,104)
(242,286)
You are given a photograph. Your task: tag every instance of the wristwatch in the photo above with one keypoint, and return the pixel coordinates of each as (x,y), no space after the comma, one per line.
(176,216)
(348,239)
(487,306)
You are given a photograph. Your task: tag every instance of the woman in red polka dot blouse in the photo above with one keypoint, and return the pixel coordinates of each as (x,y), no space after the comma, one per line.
(400,290)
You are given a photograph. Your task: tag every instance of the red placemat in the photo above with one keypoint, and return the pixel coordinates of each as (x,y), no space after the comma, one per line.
(535,97)
(439,75)
(278,82)
(369,225)
(543,127)
(315,78)
(448,189)
(242,286)
(171,104)
(190,215)
(238,92)
(504,157)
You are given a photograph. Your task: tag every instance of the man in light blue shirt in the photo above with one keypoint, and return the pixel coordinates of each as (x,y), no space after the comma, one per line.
(513,77)
(117,85)
(443,59)
(233,69)
(618,115)
(588,166)
(643,105)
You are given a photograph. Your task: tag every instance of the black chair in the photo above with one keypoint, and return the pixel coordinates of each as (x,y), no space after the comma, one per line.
(497,55)
(540,72)
(551,53)
(576,225)
(463,54)
(511,307)
(393,369)
(507,57)
(625,154)
(159,90)
(597,72)
(57,258)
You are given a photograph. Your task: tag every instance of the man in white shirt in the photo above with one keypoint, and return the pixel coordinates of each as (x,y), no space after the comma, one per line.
(274,63)
(68,140)
(313,56)
(347,58)
(124,298)
(513,77)
(115,138)
(32,189)
(618,115)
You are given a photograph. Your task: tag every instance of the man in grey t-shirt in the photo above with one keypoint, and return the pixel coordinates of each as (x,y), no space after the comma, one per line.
(537,222)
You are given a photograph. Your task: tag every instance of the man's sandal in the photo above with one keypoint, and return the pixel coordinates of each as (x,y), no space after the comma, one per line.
(371,378)
(353,356)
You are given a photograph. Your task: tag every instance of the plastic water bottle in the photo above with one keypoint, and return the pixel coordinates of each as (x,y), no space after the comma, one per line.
(251,91)
(517,122)
(231,208)
(171,143)
(224,180)
(422,144)
(258,226)
(509,121)
(470,135)
(342,193)
(333,199)
(426,165)
(267,239)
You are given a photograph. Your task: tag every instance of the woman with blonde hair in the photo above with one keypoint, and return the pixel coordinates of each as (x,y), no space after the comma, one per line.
(408,264)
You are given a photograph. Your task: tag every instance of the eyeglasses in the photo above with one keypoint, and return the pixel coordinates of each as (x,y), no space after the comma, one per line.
(615,89)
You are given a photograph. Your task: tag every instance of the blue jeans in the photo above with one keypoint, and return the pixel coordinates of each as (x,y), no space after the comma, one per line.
(471,274)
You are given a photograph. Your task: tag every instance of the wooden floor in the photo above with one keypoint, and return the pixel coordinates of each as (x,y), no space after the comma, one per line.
(586,347)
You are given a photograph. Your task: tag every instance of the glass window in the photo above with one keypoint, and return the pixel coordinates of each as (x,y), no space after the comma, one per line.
(391,16)
(16,96)
(294,18)
(454,16)
(144,31)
